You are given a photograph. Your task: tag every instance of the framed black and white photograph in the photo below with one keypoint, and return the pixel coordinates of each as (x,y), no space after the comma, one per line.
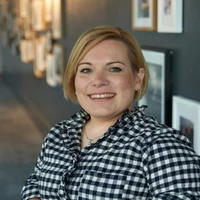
(144,15)
(49,42)
(170,16)
(55,66)
(48,10)
(58,52)
(186,118)
(57,29)
(50,70)
(27,50)
(39,65)
(38,20)
(158,97)
(23,8)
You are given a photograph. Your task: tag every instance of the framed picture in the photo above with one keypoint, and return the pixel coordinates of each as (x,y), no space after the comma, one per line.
(49,45)
(38,21)
(158,97)
(48,10)
(186,118)
(4,8)
(144,15)
(23,8)
(16,7)
(27,50)
(170,16)
(57,31)
(58,52)
(39,66)
(50,70)
(55,66)
(27,21)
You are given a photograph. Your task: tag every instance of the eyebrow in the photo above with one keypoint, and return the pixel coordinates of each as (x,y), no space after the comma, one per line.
(109,63)
(114,62)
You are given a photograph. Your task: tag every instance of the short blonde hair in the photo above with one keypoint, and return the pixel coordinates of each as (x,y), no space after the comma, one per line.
(87,41)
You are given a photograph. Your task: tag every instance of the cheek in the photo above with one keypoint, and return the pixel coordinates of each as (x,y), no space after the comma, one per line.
(126,83)
(78,83)
(81,85)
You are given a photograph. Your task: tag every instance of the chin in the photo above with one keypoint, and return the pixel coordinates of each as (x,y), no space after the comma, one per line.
(104,113)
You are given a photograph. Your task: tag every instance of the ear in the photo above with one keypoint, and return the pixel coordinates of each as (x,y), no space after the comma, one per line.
(139,79)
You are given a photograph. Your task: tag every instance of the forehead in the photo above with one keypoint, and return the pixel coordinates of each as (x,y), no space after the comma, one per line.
(108,48)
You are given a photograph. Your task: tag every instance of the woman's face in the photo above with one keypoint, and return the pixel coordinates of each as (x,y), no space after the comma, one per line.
(105,83)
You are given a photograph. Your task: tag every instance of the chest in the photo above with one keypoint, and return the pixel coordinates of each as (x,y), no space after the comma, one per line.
(100,170)
(115,173)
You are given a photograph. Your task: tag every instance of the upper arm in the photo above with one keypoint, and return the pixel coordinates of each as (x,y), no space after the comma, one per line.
(172,168)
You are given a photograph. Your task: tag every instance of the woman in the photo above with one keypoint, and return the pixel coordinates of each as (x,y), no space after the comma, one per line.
(111,150)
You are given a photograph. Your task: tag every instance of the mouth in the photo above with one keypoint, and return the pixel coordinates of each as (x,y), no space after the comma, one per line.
(102,96)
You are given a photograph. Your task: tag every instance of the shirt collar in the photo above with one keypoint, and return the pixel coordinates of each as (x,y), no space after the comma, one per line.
(79,119)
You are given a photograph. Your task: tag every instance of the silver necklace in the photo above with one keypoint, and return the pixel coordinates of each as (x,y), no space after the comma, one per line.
(91,140)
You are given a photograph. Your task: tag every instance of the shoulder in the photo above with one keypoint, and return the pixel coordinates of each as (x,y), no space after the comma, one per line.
(154,134)
(161,142)
(60,131)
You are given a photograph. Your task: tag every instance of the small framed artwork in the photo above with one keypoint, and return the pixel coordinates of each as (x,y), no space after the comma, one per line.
(49,45)
(50,70)
(16,7)
(144,15)
(27,21)
(58,52)
(3,9)
(27,28)
(39,66)
(186,118)
(158,97)
(38,21)
(48,10)
(27,50)
(170,16)
(57,31)
(23,8)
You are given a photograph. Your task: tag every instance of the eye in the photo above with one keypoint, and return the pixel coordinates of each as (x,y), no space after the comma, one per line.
(115,69)
(86,70)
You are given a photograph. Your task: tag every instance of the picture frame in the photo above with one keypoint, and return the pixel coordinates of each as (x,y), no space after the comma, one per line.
(144,15)
(27,50)
(3,9)
(170,16)
(27,21)
(49,42)
(38,21)
(39,65)
(159,95)
(48,10)
(55,66)
(23,8)
(186,118)
(58,52)
(57,30)
(50,70)
(16,7)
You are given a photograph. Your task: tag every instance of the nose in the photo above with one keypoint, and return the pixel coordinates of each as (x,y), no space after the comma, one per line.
(99,79)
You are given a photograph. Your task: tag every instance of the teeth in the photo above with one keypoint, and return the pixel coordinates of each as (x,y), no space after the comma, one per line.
(99,96)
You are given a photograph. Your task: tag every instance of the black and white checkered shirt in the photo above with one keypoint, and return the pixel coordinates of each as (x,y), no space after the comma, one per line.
(137,158)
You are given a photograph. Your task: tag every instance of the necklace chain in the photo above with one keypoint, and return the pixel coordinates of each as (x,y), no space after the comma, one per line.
(91,140)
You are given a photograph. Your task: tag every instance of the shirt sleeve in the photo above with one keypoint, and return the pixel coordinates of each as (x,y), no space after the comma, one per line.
(31,189)
(172,168)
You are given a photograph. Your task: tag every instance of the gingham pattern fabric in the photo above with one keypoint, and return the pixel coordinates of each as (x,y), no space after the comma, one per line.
(137,158)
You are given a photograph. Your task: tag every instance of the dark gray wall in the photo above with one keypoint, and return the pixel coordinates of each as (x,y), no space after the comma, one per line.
(48,104)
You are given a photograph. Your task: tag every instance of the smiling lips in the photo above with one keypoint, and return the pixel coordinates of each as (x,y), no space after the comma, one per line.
(102,96)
